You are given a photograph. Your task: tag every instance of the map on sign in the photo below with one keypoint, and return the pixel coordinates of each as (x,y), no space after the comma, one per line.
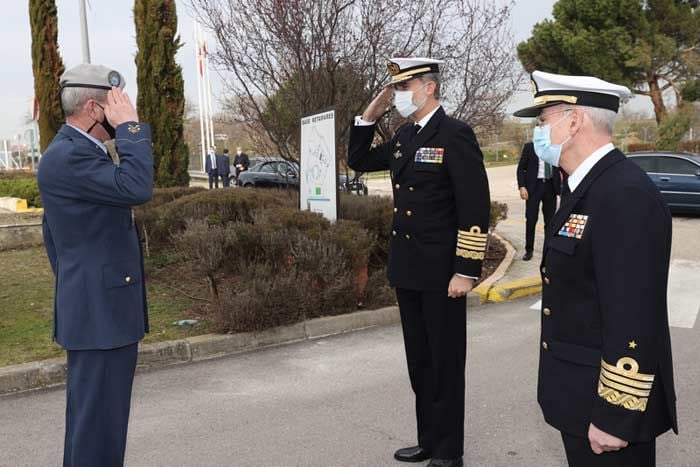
(318,184)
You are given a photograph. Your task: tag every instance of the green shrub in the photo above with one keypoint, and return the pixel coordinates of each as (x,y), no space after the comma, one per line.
(215,206)
(375,214)
(673,127)
(24,187)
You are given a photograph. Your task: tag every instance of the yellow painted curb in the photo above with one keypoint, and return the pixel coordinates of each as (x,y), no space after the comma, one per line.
(18,205)
(514,290)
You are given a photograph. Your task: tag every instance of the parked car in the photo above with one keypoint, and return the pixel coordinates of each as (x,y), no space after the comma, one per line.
(676,174)
(271,173)
(352,185)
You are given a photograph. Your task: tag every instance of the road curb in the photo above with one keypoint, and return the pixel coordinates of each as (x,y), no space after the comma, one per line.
(482,290)
(515,289)
(49,373)
(490,292)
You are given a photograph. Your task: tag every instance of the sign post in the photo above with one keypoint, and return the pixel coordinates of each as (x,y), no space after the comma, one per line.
(318,184)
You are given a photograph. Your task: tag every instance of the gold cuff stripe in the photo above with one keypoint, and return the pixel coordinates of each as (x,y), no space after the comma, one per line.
(623,388)
(476,233)
(468,254)
(632,373)
(471,246)
(473,239)
(546,99)
(623,400)
(626,381)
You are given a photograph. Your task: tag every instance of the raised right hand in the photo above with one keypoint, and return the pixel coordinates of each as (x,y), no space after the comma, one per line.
(119,108)
(379,105)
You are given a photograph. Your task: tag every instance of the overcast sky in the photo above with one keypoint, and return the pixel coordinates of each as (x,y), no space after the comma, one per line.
(113,43)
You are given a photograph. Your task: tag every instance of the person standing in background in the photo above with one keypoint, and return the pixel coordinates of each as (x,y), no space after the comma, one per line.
(539,184)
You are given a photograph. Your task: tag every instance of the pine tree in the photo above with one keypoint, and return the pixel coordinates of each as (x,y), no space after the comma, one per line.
(161,98)
(47,67)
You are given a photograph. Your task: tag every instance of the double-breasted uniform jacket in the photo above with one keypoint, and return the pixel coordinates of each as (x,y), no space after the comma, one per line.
(605,353)
(441,199)
(90,236)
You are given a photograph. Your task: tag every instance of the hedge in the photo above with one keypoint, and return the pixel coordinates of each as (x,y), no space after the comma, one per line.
(20,185)
(264,262)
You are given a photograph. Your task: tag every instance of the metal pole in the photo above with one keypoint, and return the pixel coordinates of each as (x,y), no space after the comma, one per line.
(84,33)
(200,67)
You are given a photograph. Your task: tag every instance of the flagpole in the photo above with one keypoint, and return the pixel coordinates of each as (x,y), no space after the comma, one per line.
(200,68)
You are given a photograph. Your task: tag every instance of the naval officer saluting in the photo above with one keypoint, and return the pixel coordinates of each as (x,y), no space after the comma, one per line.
(605,375)
(92,244)
(439,235)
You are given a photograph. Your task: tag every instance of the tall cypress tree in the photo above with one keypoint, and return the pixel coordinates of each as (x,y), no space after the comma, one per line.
(161,98)
(47,67)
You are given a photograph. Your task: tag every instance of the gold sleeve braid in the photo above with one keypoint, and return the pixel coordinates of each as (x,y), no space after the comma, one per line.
(623,385)
(472,244)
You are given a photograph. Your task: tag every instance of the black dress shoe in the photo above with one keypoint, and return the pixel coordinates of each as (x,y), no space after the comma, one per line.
(446,463)
(412,454)
(527,256)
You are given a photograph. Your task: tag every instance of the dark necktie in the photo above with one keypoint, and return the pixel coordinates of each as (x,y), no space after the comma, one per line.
(547,170)
(414,131)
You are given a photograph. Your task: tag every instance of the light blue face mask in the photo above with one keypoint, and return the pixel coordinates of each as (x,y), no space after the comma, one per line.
(542,141)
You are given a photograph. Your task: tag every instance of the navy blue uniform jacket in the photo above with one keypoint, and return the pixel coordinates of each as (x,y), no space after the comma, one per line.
(441,199)
(90,237)
(605,356)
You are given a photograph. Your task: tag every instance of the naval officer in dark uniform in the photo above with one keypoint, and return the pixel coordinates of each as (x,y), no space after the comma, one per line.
(605,375)
(440,228)
(100,305)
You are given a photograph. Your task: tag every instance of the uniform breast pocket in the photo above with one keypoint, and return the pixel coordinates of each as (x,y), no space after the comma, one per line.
(123,274)
(563,245)
(427,168)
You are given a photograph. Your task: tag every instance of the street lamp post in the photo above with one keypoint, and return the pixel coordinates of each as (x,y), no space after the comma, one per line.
(84,33)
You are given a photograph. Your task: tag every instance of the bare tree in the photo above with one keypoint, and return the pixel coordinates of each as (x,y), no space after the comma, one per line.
(282,59)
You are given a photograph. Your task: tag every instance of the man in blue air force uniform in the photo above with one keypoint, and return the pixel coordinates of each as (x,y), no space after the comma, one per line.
(100,311)
(606,374)
(439,236)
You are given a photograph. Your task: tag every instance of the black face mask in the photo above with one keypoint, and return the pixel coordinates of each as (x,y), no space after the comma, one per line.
(111,131)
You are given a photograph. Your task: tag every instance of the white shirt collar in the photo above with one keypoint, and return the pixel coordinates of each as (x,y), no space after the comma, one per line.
(424,121)
(582,170)
(99,143)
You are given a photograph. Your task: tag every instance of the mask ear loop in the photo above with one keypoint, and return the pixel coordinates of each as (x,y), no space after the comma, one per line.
(96,122)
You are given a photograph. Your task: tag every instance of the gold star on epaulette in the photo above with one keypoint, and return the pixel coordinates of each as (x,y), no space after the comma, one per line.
(133,129)
(633,345)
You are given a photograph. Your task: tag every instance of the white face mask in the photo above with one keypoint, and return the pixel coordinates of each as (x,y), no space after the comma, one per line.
(403,101)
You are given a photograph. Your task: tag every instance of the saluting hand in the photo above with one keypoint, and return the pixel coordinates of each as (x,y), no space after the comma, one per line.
(379,105)
(603,442)
(459,286)
(119,108)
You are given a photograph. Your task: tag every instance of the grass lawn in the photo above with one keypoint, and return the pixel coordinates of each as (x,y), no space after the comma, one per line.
(26,309)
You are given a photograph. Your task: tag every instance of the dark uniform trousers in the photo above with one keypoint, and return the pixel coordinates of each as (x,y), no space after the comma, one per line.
(544,195)
(440,227)
(605,351)
(434,330)
(98,403)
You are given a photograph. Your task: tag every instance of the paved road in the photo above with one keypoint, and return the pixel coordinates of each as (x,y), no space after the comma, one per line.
(338,402)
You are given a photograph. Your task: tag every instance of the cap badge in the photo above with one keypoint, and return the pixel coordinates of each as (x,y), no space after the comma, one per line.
(394,69)
(114,79)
